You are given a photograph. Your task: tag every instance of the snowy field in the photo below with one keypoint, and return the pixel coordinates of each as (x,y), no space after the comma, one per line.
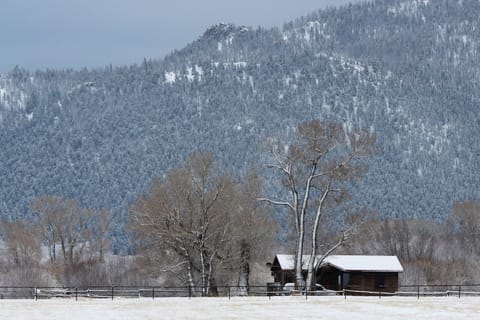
(244,308)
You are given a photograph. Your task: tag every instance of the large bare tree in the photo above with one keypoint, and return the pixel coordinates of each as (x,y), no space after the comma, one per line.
(200,224)
(63,223)
(314,169)
(80,235)
(186,218)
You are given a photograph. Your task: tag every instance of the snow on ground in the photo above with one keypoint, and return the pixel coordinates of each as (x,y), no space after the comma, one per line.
(293,307)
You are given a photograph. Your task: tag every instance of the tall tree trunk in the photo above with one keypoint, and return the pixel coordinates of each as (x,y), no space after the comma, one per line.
(71,252)
(299,280)
(190,282)
(212,287)
(244,275)
(311,270)
(311,263)
(210,278)
(54,249)
(203,274)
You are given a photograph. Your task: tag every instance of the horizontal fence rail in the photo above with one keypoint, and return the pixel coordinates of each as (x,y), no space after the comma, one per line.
(270,290)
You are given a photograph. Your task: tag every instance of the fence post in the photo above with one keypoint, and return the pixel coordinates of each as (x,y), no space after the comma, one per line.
(459,291)
(189,292)
(36,293)
(112,292)
(418,292)
(345,293)
(153,293)
(76,294)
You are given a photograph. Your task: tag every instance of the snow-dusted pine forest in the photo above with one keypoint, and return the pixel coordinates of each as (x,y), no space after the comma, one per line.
(409,71)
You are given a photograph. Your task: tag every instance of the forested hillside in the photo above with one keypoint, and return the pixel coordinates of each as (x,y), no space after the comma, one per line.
(407,70)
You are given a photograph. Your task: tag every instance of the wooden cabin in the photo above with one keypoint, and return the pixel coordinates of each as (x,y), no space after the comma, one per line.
(356,273)
(283,266)
(360,273)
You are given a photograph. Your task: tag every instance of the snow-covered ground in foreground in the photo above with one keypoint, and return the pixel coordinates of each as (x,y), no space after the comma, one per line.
(244,308)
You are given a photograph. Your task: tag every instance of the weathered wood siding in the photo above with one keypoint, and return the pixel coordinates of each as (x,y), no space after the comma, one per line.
(359,281)
(329,279)
(367,281)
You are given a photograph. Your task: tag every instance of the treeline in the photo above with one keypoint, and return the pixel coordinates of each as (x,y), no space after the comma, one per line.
(69,246)
(62,244)
(432,252)
(200,226)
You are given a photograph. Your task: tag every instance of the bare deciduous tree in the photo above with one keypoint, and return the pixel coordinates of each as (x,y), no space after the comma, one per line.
(314,168)
(187,217)
(79,234)
(201,224)
(63,221)
(465,220)
(21,242)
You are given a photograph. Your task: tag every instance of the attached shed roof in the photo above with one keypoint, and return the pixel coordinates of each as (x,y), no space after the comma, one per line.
(346,262)
(287,261)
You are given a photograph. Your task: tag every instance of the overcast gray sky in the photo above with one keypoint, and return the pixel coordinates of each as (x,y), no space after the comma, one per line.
(40,34)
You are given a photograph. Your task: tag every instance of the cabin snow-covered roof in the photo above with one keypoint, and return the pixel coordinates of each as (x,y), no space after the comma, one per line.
(287,261)
(364,263)
(346,262)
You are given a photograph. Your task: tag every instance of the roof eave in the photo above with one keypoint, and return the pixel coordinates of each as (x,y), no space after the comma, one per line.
(329,264)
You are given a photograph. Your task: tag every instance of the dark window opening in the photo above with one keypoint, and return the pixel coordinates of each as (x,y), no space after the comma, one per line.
(346,280)
(380,281)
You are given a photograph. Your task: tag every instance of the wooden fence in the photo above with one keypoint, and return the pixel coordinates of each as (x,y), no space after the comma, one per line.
(269,291)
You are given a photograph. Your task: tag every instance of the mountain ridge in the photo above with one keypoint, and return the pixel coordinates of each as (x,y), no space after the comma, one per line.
(113,129)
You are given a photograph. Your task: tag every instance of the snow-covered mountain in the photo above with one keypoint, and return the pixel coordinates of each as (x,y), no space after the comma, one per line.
(407,70)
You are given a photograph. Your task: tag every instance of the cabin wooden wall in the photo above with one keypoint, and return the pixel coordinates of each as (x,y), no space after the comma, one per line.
(283,276)
(367,281)
(329,279)
(333,279)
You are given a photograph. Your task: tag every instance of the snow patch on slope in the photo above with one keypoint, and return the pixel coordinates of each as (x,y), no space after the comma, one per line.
(170,77)
(11,97)
(240,64)
(408,8)
(191,73)
(311,31)
(199,71)
(196,72)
